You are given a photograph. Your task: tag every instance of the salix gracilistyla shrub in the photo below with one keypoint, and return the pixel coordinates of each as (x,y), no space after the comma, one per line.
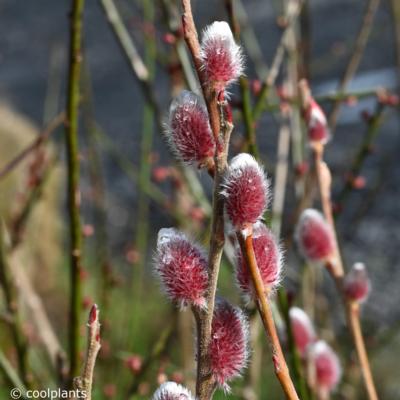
(182,265)
(242,195)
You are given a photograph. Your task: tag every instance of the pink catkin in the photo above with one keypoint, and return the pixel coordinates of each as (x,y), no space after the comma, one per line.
(302,330)
(229,343)
(325,366)
(188,129)
(182,268)
(269,261)
(317,125)
(357,284)
(172,391)
(246,191)
(221,57)
(314,236)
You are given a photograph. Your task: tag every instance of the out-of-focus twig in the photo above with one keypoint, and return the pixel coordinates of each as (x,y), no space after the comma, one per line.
(335,264)
(354,61)
(171,14)
(137,64)
(20,220)
(12,301)
(37,313)
(71,133)
(10,374)
(244,88)
(373,130)
(50,128)
(96,174)
(142,226)
(159,348)
(250,39)
(276,62)
(281,172)
(396,27)
(133,57)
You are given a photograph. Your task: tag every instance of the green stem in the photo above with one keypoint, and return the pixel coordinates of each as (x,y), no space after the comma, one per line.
(248,117)
(96,174)
(73,99)
(373,130)
(147,140)
(247,110)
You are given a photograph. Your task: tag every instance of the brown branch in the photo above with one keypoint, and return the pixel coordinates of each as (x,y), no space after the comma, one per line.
(205,384)
(264,308)
(84,382)
(335,265)
(353,312)
(50,128)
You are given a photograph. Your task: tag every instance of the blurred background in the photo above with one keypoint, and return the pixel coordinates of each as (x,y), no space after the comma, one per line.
(131,186)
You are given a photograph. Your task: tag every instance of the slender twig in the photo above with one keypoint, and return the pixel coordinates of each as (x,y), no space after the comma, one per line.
(73,100)
(250,40)
(276,63)
(50,128)
(11,374)
(264,308)
(205,384)
(96,174)
(12,301)
(247,111)
(159,348)
(138,67)
(328,97)
(395,6)
(142,227)
(173,20)
(374,123)
(37,313)
(335,264)
(20,220)
(132,55)
(29,296)
(357,53)
(85,380)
